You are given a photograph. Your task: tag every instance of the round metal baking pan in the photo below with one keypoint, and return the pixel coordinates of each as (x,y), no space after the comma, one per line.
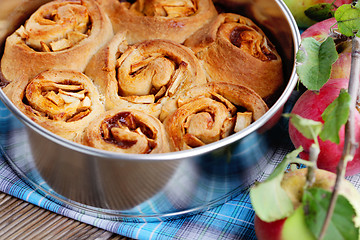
(134,187)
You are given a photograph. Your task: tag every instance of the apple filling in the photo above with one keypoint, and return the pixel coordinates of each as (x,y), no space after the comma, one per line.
(126,131)
(207,120)
(139,78)
(64,101)
(249,40)
(56,27)
(164,8)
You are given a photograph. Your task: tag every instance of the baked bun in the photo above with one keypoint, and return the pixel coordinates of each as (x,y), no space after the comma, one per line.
(145,75)
(211,112)
(233,49)
(159,19)
(127,131)
(60,35)
(63,102)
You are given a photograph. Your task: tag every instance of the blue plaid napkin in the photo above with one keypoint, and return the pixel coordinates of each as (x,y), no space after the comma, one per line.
(231,220)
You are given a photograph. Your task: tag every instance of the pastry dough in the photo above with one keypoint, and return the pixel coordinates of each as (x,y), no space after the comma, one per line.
(64,102)
(233,49)
(127,131)
(138,76)
(212,112)
(59,35)
(159,19)
(144,75)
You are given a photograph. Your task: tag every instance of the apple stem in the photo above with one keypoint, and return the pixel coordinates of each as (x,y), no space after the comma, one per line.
(333,3)
(313,156)
(350,143)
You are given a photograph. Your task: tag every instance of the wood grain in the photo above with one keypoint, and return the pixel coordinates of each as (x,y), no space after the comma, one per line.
(22,220)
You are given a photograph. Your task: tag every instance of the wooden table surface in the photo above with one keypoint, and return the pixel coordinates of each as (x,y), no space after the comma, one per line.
(22,220)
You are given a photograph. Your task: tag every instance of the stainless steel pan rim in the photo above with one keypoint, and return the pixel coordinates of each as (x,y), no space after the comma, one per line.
(181,154)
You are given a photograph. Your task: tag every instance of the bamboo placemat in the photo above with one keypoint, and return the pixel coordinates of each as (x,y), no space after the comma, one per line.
(23,220)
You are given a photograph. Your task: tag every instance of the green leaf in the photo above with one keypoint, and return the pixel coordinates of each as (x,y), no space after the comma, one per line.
(334,116)
(320,12)
(277,205)
(348,18)
(316,202)
(314,61)
(309,128)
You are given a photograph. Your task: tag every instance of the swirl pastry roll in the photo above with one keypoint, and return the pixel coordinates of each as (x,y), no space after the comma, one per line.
(64,102)
(233,49)
(62,34)
(127,131)
(144,75)
(212,112)
(159,19)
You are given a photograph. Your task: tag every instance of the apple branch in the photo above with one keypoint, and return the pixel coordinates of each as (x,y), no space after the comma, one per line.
(350,143)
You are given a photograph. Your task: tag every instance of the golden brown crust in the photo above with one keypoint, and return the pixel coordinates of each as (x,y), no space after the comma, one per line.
(144,75)
(208,113)
(64,102)
(233,49)
(59,35)
(127,131)
(159,19)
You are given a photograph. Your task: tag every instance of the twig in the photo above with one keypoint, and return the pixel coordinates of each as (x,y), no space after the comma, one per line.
(350,144)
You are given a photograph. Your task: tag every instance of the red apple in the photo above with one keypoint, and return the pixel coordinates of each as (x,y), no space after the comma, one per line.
(298,7)
(291,228)
(320,31)
(294,227)
(311,105)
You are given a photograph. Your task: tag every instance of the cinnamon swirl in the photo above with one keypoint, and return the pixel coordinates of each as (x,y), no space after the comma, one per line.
(212,112)
(64,102)
(127,131)
(144,75)
(233,49)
